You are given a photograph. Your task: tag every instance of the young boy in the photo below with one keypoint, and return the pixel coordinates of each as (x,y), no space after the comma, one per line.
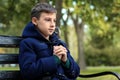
(43,56)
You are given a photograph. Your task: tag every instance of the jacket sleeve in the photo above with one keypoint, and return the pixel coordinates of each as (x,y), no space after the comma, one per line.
(30,67)
(74,70)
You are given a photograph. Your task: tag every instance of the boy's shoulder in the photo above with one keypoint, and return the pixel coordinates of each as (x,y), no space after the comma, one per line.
(62,42)
(28,39)
(31,41)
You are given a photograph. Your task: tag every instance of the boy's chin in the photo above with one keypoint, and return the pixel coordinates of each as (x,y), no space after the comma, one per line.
(51,33)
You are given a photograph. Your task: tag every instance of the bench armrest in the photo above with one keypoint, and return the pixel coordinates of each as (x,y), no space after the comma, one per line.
(100,74)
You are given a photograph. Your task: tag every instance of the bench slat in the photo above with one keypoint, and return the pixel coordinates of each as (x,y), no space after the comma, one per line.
(10,75)
(8,58)
(10,41)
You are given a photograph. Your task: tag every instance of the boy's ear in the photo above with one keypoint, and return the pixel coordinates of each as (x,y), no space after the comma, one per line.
(34,20)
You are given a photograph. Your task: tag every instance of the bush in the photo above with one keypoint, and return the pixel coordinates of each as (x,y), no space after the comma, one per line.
(97,57)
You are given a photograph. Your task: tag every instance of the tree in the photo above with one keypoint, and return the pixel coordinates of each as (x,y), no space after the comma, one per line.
(79,28)
(65,30)
(103,23)
(58,6)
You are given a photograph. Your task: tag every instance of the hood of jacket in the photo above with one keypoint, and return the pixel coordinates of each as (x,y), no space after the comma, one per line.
(30,31)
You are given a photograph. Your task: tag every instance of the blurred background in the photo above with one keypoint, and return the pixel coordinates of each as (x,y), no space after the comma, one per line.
(90,28)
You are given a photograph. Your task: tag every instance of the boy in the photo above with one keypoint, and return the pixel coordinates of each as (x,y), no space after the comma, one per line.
(43,56)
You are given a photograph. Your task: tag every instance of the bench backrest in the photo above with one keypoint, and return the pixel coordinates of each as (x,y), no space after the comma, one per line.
(9,42)
(13,42)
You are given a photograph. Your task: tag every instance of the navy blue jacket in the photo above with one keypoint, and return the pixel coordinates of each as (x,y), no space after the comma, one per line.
(36,57)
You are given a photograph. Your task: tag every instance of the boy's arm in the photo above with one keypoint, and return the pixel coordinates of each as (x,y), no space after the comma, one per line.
(71,68)
(31,67)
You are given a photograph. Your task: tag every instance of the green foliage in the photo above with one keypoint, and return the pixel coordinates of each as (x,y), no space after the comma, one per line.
(14,15)
(101,42)
(107,56)
(103,25)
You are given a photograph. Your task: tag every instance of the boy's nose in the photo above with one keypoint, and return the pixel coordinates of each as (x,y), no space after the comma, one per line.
(53,24)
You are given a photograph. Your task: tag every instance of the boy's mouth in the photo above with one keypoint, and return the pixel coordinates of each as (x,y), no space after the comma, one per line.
(51,30)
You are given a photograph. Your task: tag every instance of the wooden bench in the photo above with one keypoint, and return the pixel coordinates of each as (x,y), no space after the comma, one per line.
(13,42)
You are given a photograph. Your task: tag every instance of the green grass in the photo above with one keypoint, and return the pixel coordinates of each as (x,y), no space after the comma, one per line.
(89,70)
(9,68)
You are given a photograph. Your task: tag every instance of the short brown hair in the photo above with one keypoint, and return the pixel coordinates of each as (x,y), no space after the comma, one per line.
(42,7)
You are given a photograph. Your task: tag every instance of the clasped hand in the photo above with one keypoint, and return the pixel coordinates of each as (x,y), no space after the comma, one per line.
(60,52)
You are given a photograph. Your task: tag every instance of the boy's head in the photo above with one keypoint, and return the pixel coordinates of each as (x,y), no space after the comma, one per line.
(43,17)
(42,7)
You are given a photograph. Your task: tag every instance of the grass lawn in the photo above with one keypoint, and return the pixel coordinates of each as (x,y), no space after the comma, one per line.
(89,70)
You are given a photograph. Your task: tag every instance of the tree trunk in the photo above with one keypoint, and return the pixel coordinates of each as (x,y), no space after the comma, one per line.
(80,37)
(79,27)
(66,29)
(66,35)
(58,5)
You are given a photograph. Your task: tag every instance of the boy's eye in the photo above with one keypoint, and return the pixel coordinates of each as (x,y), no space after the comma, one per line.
(47,19)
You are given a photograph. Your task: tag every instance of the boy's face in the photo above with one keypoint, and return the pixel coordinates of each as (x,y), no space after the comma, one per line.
(46,23)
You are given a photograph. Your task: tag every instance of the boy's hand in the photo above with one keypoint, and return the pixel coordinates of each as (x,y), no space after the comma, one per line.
(55,52)
(60,52)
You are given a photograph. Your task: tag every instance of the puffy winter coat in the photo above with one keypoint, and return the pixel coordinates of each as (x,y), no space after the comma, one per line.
(36,57)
